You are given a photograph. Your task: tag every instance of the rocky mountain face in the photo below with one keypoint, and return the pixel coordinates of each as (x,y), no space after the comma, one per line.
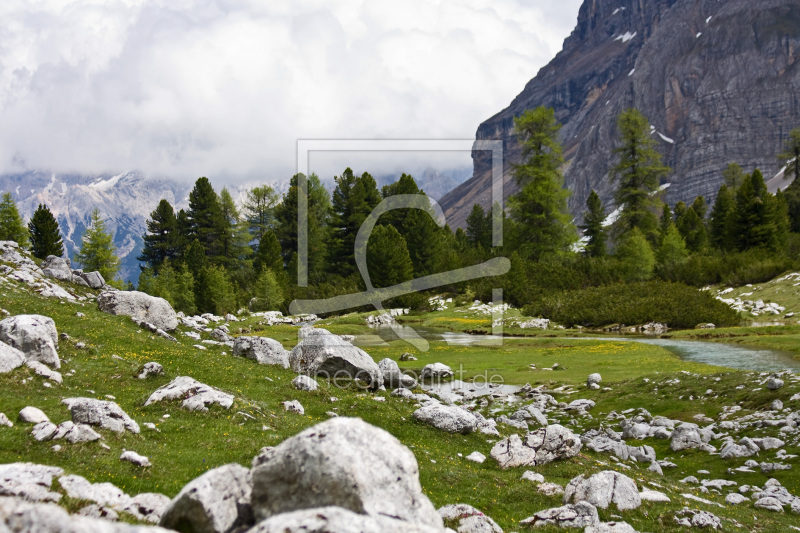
(718,81)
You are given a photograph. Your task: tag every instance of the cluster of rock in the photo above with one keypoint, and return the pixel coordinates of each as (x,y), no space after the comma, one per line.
(272,318)
(60,268)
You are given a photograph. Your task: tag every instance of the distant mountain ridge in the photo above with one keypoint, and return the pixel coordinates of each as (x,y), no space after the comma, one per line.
(719,81)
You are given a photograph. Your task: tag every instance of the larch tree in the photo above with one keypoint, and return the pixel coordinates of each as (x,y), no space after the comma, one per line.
(11,226)
(97,252)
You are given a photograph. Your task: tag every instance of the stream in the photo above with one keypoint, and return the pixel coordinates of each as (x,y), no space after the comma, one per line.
(711,353)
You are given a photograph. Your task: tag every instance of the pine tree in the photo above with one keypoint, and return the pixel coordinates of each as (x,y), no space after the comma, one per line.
(638,173)
(268,256)
(757,215)
(638,259)
(353,200)
(214,291)
(387,257)
(593,228)
(721,221)
(97,252)
(11,226)
(161,239)
(259,210)
(479,227)
(665,222)
(319,207)
(691,226)
(206,221)
(540,208)
(45,234)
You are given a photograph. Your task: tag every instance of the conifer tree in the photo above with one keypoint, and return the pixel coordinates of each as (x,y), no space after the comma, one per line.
(259,210)
(638,259)
(161,239)
(540,208)
(267,293)
(721,220)
(387,257)
(672,249)
(665,222)
(791,158)
(757,215)
(268,256)
(206,221)
(637,173)
(479,227)
(214,292)
(235,235)
(11,226)
(97,252)
(45,234)
(353,200)
(593,228)
(734,176)
(691,226)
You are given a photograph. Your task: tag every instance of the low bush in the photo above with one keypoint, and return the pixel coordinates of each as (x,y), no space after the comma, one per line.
(674,304)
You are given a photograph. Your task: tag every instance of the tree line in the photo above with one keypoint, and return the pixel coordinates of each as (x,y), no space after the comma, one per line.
(215,256)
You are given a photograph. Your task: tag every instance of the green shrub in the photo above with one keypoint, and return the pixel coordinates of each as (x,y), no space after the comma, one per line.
(675,304)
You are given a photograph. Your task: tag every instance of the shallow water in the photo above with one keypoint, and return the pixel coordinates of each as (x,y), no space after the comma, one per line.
(711,353)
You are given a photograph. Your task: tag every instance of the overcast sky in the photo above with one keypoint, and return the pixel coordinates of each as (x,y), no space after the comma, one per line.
(180,88)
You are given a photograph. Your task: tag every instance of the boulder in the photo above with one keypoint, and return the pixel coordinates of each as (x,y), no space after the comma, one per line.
(336,520)
(150,369)
(140,306)
(476,457)
(196,396)
(41,370)
(686,436)
(545,445)
(466,519)
(735,499)
(321,353)
(75,433)
(343,462)
(263,350)
(149,506)
(4,421)
(436,371)
(44,431)
(305,383)
(447,418)
(59,268)
(93,280)
(29,481)
(135,458)
(393,378)
(294,407)
(32,415)
(216,502)
(603,489)
(10,358)
(774,383)
(745,448)
(33,335)
(579,515)
(101,413)
(593,379)
(769,504)
(611,527)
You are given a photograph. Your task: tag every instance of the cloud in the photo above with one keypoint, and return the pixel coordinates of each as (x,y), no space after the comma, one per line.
(180,88)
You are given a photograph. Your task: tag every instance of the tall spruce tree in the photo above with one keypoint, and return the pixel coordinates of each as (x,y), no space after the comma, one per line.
(353,200)
(97,250)
(757,216)
(387,257)
(11,226)
(207,224)
(665,222)
(539,210)
(161,239)
(235,236)
(593,229)
(691,226)
(268,256)
(638,258)
(721,221)
(45,234)
(637,173)
(479,227)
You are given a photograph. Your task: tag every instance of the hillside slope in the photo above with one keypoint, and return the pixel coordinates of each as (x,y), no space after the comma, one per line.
(717,80)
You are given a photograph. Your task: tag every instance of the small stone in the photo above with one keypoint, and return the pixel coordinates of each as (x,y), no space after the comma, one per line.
(476,457)
(32,415)
(294,407)
(135,458)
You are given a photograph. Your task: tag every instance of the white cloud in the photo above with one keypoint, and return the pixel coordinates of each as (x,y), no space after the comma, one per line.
(186,88)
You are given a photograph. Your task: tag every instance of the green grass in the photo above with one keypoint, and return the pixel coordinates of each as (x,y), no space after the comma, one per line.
(188,444)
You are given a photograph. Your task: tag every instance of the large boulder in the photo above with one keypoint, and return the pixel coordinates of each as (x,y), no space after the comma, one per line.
(261,349)
(447,417)
(10,358)
(579,515)
(196,396)
(140,306)
(686,436)
(216,502)
(321,353)
(338,520)
(343,462)
(58,268)
(92,279)
(603,489)
(33,335)
(101,413)
(545,445)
